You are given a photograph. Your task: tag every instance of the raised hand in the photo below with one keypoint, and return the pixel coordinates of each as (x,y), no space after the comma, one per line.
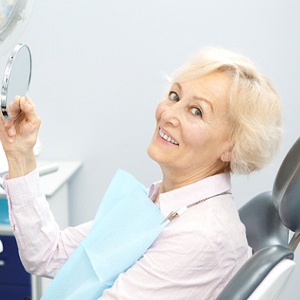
(18,136)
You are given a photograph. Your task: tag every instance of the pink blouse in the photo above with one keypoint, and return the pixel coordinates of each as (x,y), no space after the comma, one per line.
(193,258)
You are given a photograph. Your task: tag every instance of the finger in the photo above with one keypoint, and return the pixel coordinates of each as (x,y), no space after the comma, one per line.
(7,125)
(27,105)
(7,131)
(3,123)
(11,130)
(2,128)
(13,108)
(28,108)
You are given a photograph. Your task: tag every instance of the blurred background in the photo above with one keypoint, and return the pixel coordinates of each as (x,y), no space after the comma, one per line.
(99,70)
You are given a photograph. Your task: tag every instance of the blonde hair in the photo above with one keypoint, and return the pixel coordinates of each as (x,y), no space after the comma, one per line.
(254,106)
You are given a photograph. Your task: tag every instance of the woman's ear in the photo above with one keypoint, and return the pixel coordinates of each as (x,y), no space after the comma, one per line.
(226,156)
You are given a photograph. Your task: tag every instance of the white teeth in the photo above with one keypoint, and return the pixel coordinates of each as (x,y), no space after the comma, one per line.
(167,138)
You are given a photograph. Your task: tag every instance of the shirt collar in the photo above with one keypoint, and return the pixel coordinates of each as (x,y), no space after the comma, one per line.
(178,198)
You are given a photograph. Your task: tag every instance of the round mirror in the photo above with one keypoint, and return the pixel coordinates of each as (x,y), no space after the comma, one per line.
(17,76)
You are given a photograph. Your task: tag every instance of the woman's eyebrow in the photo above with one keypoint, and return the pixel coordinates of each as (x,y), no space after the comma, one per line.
(177,84)
(197,98)
(205,100)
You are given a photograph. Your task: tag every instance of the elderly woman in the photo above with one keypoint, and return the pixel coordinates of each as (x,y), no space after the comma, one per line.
(220,116)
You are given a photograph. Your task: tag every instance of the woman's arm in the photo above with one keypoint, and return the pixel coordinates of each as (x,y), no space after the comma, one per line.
(43,247)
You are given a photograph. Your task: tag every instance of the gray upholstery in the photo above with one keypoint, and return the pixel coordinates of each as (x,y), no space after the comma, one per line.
(260,264)
(263,224)
(268,217)
(285,175)
(286,189)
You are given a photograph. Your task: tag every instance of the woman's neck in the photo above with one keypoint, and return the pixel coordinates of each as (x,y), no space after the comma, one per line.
(173,179)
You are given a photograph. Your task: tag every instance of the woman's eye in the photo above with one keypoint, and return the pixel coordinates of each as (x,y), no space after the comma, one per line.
(174,96)
(196,111)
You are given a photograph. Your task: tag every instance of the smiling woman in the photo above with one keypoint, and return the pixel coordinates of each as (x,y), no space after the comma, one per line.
(221,115)
(254,112)
(196,115)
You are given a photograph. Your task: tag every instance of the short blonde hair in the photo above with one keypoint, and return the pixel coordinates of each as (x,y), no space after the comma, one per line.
(254,106)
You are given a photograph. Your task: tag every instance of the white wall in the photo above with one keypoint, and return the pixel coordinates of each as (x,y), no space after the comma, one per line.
(98,73)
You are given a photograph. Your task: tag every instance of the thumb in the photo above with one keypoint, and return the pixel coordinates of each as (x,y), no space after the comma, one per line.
(27,106)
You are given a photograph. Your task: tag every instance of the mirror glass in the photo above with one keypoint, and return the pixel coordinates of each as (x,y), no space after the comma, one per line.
(17,76)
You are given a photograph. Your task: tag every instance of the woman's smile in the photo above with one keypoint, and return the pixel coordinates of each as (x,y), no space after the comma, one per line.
(167,138)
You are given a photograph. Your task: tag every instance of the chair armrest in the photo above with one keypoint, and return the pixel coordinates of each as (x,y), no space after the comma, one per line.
(253,272)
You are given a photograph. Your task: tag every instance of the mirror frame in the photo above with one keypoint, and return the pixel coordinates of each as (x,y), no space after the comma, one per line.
(7,73)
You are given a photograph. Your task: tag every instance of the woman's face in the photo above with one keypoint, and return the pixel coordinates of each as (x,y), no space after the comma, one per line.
(191,140)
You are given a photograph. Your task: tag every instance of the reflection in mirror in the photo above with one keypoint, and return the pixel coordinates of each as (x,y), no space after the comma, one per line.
(17,76)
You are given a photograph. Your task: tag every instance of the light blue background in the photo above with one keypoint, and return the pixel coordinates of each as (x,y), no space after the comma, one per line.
(99,71)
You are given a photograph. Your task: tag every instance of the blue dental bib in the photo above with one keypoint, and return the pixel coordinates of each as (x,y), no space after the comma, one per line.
(126,224)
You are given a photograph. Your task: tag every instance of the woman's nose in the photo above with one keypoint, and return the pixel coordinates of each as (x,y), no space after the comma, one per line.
(172,115)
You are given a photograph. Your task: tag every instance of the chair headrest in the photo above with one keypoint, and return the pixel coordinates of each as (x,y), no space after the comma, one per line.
(286,188)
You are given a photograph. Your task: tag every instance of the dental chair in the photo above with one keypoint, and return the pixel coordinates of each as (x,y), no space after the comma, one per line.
(270,218)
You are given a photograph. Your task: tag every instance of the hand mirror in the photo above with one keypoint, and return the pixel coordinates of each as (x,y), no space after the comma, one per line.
(17,76)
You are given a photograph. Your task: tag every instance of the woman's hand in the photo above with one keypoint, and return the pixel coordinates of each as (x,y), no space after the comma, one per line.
(18,136)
